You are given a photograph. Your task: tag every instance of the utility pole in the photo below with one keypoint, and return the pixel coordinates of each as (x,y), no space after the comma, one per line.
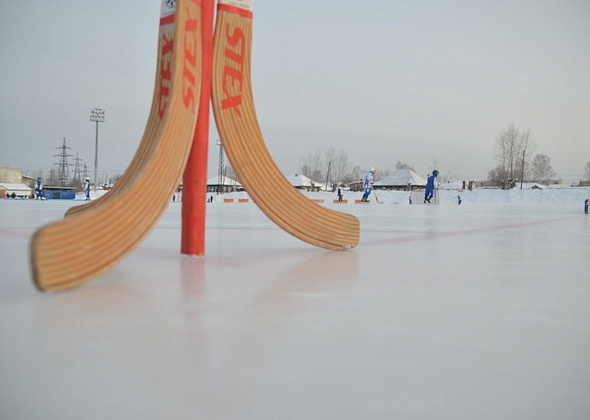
(96,115)
(327,176)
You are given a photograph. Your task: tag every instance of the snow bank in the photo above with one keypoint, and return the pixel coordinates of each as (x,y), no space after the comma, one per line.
(562,196)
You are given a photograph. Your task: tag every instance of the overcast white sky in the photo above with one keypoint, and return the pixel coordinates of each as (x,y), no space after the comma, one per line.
(386,81)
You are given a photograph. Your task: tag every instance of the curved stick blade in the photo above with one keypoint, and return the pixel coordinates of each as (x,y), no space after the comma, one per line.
(70,252)
(235,115)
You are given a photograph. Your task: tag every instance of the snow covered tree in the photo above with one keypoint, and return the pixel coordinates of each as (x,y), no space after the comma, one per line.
(541,168)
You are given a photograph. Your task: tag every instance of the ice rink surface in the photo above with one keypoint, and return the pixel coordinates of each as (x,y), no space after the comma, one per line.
(441,312)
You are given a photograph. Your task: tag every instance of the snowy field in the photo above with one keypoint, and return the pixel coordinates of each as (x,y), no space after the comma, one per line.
(478,311)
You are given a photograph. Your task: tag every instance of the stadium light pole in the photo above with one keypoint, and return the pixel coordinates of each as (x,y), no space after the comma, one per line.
(96,115)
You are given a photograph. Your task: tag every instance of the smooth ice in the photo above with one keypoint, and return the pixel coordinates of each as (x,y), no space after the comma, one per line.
(441,312)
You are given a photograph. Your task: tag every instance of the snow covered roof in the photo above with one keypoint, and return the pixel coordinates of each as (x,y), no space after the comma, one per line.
(15,187)
(227,181)
(301,181)
(401,178)
(531,186)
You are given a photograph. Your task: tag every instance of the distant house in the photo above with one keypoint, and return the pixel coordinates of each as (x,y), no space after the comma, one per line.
(531,186)
(15,190)
(458,185)
(227,185)
(402,179)
(356,186)
(301,182)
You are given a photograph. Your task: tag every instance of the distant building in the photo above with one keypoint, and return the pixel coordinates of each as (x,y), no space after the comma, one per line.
(301,182)
(457,185)
(402,179)
(13,184)
(10,175)
(228,185)
(15,190)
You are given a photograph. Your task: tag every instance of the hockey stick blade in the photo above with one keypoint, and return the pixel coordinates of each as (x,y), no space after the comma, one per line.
(67,253)
(242,140)
(377,198)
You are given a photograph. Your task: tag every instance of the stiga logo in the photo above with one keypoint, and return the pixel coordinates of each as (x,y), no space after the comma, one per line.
(165,75)
(233,71)
(190,61)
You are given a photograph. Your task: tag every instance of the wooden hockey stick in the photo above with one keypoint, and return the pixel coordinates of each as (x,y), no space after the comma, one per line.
(235,115)
(377,198)
(68,253)
(147,146)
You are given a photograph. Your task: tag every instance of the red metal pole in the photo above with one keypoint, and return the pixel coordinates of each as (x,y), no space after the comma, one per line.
(194,188)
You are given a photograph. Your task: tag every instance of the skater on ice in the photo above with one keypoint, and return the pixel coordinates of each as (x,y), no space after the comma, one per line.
(431,185)
(39,189)
(368,185)
(87,188)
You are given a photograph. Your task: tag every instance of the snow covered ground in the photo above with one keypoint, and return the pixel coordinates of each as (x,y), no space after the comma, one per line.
(442,312)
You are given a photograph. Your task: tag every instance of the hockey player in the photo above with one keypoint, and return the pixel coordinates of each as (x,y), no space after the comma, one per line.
(431,185)
(368,185)
(39,189)
(87,188)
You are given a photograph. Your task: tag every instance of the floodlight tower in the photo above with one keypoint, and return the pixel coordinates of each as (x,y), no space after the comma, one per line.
(96,115)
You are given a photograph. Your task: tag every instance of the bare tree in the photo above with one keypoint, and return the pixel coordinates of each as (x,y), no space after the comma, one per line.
(380,174)
(513,151)
(433,165)
(587,171)
(229,172)
(53,177)
(340,167)
(541,168)
(329,161)
(311,165)
(498,175)
(400,165)
(355,175)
